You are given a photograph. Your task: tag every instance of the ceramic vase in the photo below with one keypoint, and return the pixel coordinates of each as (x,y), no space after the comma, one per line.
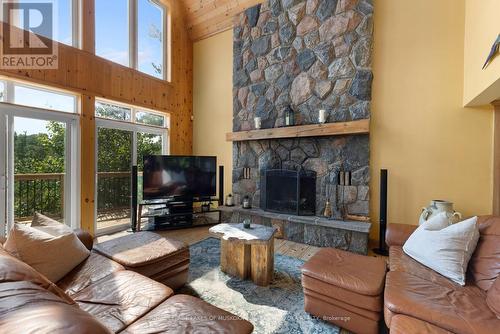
(437,206)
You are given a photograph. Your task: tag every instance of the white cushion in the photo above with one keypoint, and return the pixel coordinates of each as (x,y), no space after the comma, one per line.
(52,256)
(444,248)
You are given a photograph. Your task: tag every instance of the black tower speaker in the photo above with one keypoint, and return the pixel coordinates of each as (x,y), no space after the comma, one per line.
(382,248)
(134,190)
(221,185)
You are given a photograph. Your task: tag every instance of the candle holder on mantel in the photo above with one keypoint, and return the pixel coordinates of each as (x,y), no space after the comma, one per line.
(289,117)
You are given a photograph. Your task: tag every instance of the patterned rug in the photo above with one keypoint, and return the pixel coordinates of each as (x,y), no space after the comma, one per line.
(278,308)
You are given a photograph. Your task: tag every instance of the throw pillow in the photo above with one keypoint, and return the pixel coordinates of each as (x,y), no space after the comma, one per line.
(14,270)
(444,248)
(49,225)
(52,256)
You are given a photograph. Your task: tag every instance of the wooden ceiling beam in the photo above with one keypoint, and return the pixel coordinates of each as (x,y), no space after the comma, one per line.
(209,17)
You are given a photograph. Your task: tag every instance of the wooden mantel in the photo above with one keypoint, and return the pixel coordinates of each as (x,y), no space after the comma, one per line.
(313,130)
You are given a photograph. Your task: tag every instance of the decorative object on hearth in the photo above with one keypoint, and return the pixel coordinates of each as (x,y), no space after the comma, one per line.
(246,202)
(328,205)
(322,116)
(328,209)
(289,116)
(493,52)
(205,207)
(347,178)
(247,223)
(344,179)
(229,200)
(258,122)
(437,206)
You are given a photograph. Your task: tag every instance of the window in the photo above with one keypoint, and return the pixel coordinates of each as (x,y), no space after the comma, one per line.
(150,37)
(41,149)
(112,111)
(65,22)
(132,33)
(149,118)
(112,30)
(120,112)
(40,98)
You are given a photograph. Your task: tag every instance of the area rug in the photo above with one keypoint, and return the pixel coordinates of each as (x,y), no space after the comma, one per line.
(278,308)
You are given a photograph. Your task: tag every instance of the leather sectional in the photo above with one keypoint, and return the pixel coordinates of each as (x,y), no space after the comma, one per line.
(419,300)
(101,296)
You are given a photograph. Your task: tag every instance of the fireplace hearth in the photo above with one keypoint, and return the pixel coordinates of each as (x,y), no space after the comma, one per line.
(288,191)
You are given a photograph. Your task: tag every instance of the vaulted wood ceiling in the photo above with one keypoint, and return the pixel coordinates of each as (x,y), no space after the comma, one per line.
(209,17)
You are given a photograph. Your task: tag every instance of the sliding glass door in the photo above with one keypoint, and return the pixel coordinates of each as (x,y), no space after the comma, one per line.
(120,145)
(39,173)
(114,167)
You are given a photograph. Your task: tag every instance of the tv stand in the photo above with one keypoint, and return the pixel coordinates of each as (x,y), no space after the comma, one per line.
(171,214)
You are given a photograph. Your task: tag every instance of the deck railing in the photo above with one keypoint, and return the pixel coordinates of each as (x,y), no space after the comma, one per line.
(45,193)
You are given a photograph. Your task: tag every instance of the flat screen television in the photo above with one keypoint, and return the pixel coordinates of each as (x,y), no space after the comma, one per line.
(180,177)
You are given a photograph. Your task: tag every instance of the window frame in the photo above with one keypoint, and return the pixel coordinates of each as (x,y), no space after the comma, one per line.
(133,38)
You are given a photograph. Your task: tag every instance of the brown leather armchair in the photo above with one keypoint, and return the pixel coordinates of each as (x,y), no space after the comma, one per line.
(419,300)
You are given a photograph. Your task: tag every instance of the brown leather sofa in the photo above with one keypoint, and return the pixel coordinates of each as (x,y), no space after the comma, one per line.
(419,300)
(100,296)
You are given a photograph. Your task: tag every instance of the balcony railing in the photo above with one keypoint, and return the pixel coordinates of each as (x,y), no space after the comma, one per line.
(45,193)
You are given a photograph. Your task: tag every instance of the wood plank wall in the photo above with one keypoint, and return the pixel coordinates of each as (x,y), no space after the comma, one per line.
(82,72)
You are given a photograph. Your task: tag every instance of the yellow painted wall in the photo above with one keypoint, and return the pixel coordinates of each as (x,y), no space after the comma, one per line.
(433,147)
(212,100)
(482,26)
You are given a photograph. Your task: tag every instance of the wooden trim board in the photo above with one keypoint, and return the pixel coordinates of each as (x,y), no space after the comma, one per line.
(312,130)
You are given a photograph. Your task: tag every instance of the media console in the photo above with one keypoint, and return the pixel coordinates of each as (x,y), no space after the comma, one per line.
(172,214)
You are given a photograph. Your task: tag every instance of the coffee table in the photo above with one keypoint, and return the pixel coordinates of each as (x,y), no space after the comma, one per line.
(247,252)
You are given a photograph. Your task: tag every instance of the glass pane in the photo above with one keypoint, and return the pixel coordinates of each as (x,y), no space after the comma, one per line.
(38,98)
(148,118)
(150,37)
(2,91)
(147,144)
(111,30)
(114,161)
(112,111)
(62,25)
(39,168)
(64,29)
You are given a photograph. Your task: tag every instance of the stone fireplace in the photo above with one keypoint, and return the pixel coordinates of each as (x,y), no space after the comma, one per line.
(305,55)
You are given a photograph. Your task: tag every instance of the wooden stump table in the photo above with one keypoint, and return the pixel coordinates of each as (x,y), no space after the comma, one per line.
(247,252)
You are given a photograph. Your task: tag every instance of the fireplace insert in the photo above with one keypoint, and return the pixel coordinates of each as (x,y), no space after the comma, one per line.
(288,191)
